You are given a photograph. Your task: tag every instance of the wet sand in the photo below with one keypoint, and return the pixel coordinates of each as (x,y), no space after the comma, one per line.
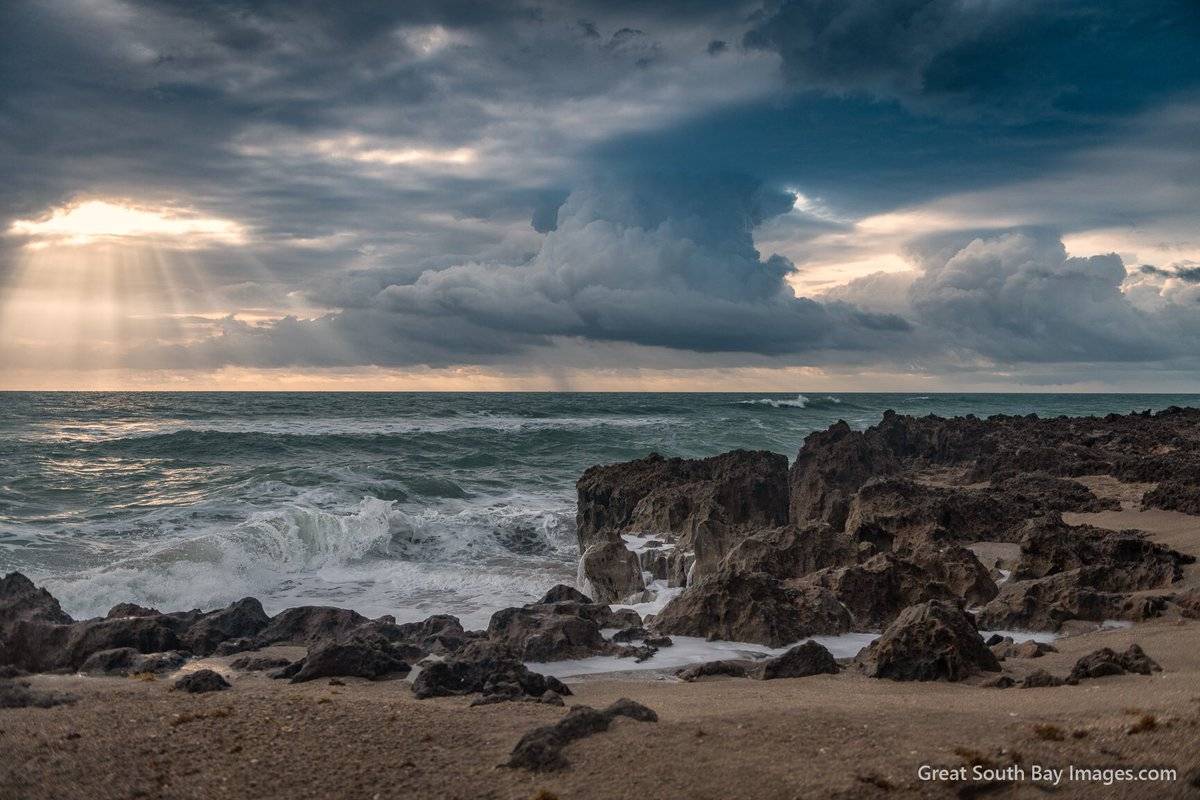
(824,736)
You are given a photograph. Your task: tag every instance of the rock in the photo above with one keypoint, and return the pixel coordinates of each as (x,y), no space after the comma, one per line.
(440,633)
(564,594)
(1041,679)
(875,591)
(790,551)
(19,694)
(125,661)
(742,488)
(958,569)
(243,619)
(830,469)
(752,607)
(1031,649)
(999,682)
(658,641)
(1189,603)
(540,750)
(481,667)
(1047,603)
(800,661)
(631,635)
(287,671)
(1122,561)
(734,668)
(122,610)
(307,625)
(1174,496)
(200,681)
(258,663)
(934,640)
(610,572)
(1105,662)
(21,601)
(550,632)
(360,656)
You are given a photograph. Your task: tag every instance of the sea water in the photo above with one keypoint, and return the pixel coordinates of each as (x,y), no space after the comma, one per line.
(399,503)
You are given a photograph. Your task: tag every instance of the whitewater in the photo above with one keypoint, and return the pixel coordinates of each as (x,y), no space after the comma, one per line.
(401,503)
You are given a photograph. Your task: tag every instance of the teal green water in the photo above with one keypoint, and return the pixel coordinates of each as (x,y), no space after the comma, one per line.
(388,503)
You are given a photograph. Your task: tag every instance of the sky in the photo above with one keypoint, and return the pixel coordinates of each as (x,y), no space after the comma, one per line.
(790,195)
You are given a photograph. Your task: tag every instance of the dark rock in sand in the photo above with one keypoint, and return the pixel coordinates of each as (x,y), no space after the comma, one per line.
(19,694)
(1046,603)
(287,671)
(540,750)
(1041,679)
(733,668)
(1124,561)
(258,663)
(243,619)
(440,633)
(1105,662)
(482,667)
(752,607)
(200,681)
(999,682)
(308,625)
(1189,603)
(800,661)
(1174,496)
(550,632)
(128,661)
(360,656)
(931,641)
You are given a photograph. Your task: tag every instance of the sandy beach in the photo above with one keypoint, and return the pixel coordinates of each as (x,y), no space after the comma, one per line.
(821,736)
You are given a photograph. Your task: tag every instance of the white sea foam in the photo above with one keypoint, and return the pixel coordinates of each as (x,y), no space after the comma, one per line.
(800,401)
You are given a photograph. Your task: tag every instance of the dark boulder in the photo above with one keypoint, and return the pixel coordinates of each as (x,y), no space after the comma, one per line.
(733,668)
(308,625)
(1104,662)
(21,601)
(201,681)
(482,667)
(564,594)
(128,661)
(360,656)
(800,661)
(258,663)
(540,750)
(791,551)
(1174,496)
(830,468)
(122,610)
(752,607)
(877,590)
(931,641)
(1123,561)
(243,619)
(1046,603)
(610,572)
(1041,679)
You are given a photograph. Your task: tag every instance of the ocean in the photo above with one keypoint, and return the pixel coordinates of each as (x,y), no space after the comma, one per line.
(398,503)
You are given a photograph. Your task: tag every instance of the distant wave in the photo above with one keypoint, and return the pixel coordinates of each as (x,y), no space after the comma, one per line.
(800,401)
(343,426)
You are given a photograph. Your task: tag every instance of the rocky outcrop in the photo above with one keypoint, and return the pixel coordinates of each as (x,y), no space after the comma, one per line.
(609,572)
(753,607)
(244,618)
(791,551)
(202,681)
(307,625)
(931,641)
(1104,662)
(1046,603)
(831,467)
(1124,561)
(124,661)
(730,668)
(21,601)
(483,667)
(540,750)
(553,631)
(1174,496)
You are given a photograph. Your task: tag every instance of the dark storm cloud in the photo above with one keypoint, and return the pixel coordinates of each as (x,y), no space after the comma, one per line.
(480,182)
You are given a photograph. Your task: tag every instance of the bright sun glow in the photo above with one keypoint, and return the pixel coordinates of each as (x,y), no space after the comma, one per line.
(93,221)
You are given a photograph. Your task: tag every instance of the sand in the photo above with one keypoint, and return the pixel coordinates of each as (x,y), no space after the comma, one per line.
(825,736)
